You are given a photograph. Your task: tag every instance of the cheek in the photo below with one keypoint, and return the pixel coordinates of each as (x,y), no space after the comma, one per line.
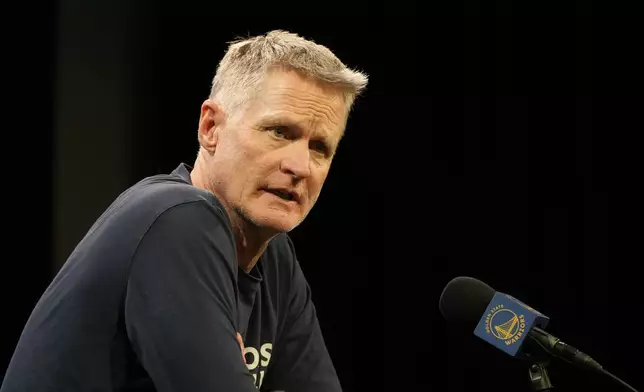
(240,157)
(253,171)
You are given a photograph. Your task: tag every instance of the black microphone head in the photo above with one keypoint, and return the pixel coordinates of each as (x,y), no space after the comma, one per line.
(464,300)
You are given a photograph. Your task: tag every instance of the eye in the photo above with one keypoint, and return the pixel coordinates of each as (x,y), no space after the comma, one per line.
(280,132)
(320,147)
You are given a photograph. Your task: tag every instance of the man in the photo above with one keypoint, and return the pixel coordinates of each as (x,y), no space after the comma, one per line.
(183,269)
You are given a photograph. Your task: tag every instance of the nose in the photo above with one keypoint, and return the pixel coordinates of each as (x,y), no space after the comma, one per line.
(297,161)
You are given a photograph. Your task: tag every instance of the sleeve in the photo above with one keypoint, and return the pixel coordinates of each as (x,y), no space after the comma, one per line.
(301,360)
(180,304)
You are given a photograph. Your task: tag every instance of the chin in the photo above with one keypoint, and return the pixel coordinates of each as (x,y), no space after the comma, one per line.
(282,224)
(279,221)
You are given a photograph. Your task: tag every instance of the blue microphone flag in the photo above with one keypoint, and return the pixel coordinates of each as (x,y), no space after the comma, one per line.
(506,323)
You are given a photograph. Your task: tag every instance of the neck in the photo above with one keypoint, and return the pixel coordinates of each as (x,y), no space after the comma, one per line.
(250,240)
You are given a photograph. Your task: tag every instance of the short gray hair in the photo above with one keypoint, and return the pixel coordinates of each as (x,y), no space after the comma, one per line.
(247,61)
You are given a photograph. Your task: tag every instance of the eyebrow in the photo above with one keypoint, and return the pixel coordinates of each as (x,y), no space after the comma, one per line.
(278,119)
(287,121)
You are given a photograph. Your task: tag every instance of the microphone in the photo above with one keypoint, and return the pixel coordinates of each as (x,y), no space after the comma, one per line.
(508,324)
(504,321)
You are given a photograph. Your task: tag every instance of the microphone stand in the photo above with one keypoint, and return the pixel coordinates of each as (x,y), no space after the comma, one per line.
(539,378)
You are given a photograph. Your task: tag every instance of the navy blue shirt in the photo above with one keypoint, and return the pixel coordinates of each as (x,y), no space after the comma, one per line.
(152,299)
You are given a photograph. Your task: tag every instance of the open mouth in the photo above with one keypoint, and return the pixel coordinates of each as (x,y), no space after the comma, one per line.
(285,195)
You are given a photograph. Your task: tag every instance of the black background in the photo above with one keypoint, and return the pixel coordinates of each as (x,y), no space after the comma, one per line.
(495,140)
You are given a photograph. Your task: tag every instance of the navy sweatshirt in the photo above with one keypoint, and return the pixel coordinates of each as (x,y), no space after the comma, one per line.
(152,298)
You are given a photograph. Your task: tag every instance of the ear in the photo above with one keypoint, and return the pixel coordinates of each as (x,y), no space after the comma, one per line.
(211,121)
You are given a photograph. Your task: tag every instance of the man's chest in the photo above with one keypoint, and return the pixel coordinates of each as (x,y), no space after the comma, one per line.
(258,325)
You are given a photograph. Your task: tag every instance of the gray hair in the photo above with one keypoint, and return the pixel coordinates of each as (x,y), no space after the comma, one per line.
(247,61)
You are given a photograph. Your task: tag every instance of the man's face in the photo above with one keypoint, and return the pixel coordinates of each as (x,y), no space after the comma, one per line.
(270,162)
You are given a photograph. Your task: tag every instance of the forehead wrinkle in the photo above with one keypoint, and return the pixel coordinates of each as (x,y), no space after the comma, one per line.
(297,100)
(315,122)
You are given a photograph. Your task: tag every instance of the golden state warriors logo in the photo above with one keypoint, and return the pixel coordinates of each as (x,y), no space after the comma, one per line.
(504,324)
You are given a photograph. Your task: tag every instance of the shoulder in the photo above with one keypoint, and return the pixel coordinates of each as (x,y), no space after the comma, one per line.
(146,201)
(162,192)
(181,212)
(166,204)
(192,221)
(190,239)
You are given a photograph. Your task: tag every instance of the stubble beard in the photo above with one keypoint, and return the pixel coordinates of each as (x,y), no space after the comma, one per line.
(245,219)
